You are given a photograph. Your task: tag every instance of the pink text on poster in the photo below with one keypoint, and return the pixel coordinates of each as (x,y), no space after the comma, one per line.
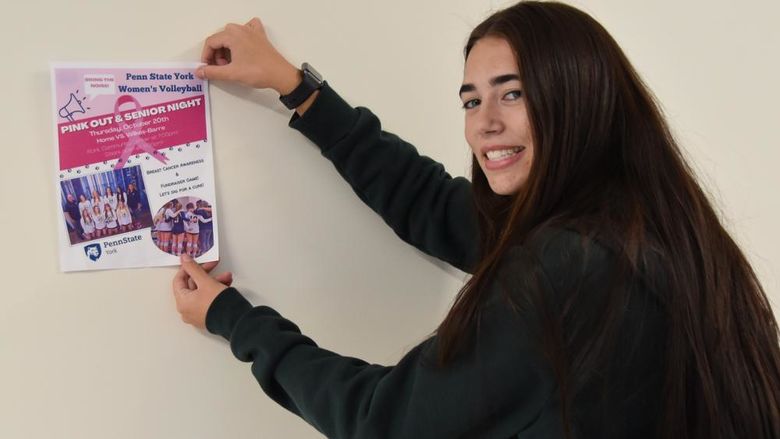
(108,136)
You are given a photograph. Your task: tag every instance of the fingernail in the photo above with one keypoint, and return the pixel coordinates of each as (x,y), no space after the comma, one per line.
(186,258)
(199,72)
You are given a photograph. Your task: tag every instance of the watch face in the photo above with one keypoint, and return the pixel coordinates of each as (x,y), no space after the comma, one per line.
(307,68)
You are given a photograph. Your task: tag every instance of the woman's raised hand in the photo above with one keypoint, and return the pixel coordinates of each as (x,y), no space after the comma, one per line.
(195,289)
(243,54)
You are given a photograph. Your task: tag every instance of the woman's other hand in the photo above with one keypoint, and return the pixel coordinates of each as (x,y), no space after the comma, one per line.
(242,53)
(194,289)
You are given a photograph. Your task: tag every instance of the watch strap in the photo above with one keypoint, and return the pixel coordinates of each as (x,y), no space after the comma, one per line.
(311,81)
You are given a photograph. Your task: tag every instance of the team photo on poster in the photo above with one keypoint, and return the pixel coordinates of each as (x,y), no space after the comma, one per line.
(184,226)
(105,204)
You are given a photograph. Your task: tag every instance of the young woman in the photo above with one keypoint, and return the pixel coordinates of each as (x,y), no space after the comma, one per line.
(121,195)
(178,219)
(100,222)
(163,222)
(606,299)
(205,228)
(188,230)
(96,200)
(192,229)
(110,215)
(124,217)
(87,224)
(110,198)
(84,203)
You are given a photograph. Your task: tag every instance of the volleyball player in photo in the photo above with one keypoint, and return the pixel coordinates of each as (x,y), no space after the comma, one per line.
(192,229)
(111,225)
(110,198)
(96,200)
(121,195)
(206,232)
(177,229)
(163,224)
(84,203)
(189,230)
(87,224)
(157,234)
(123,216)
(100,221)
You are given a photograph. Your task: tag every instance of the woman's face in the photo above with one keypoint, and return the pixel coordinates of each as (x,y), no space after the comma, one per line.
(497,126)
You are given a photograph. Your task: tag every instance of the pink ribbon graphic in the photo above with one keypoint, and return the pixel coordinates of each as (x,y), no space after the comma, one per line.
(134,140)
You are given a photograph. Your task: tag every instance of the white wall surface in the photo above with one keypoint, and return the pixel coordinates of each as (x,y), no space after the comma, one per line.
(104,355)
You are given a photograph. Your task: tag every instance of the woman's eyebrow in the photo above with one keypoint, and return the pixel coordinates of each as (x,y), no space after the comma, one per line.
(504,79)
(498,80)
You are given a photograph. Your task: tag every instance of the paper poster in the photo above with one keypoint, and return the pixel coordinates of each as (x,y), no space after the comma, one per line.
(135,174)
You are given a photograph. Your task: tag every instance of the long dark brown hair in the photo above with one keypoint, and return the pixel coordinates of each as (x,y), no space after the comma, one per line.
(606,163)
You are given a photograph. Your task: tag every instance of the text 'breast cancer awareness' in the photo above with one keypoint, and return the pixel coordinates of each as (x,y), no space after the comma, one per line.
(135,141)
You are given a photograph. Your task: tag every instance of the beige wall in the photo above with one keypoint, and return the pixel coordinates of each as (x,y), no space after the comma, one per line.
(713,66)
(103,354)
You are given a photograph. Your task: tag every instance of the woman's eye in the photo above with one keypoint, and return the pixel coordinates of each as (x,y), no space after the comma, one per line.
(471,103)
(513,95)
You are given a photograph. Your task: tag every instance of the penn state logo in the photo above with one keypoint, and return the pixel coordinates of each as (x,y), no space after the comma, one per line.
(93,251)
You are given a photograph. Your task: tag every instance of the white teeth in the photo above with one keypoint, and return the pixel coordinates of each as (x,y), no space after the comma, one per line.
(500,154)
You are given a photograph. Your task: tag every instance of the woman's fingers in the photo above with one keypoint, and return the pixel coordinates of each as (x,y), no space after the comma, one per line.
(222,57)
(225,278)
(242,53)
(208,266)
(255,23)
(191,284)
(180,282)
(220,40)
(194,290)
(194,270)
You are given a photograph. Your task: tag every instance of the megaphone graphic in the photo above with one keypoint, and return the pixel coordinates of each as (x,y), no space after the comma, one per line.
(72,107)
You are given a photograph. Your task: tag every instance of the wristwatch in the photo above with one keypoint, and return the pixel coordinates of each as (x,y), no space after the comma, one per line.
(312,81)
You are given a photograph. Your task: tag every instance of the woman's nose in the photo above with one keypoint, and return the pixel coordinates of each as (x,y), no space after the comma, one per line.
(490,119)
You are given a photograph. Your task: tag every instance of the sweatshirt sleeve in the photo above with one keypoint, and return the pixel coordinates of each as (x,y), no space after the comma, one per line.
(496,388)
(421,202)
